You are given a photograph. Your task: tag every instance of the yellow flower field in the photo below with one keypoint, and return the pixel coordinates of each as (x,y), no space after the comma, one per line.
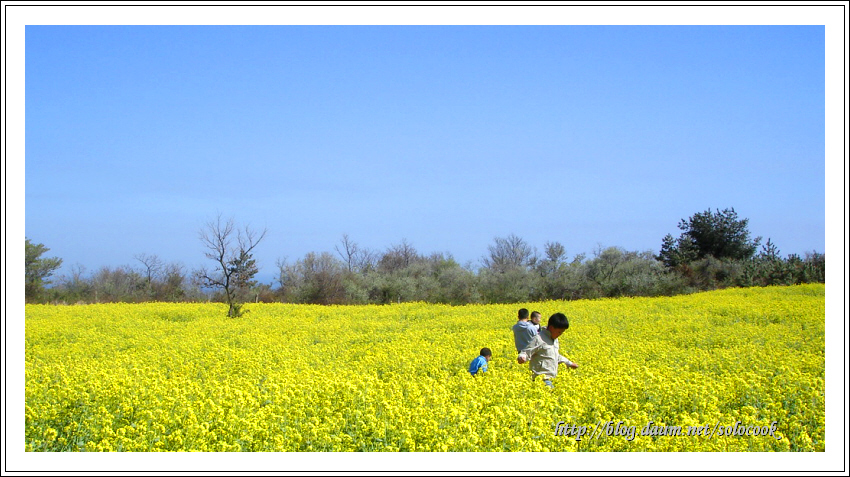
(183,377)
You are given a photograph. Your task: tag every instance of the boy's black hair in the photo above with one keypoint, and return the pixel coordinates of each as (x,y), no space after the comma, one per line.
(523,313)
(533,313)
(558,320)
(486,352)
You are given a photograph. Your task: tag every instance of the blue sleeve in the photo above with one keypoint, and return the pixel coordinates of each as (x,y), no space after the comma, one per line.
(476,365)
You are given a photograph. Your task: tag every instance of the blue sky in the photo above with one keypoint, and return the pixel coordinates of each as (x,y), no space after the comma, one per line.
(444,136)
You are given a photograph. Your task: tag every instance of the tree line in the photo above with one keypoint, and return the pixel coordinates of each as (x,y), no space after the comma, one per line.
(714,250)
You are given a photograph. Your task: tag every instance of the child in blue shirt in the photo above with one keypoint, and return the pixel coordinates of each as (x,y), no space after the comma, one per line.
(480,362)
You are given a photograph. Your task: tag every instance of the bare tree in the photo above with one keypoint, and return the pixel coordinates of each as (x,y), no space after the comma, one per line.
(230,247)
(555,252)
(358,259)
(555,255)
(398,257)
(152,268)
(285,273)
(348,252)
(365,261)
(509,253)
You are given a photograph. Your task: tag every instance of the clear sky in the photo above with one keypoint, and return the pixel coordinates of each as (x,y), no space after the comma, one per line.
(444,136)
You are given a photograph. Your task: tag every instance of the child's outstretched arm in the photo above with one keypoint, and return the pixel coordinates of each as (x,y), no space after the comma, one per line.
(529,350)
(563,359)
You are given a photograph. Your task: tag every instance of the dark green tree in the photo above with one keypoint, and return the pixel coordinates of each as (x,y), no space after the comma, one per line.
(719,234)
(38,270)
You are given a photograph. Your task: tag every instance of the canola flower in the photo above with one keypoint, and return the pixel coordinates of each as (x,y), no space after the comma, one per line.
(182,377)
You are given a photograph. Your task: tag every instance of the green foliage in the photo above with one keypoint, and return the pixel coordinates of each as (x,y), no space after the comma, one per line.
(617,272)
(513,285)
(715,251)
(710,273)
(317,278)
(236,309)
(768,268)
(455,284)
(38,270)
(719,234)
(512,272)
